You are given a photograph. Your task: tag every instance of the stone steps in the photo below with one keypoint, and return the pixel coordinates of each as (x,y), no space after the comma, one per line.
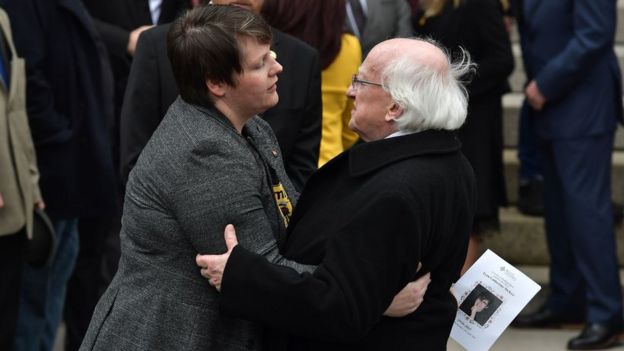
(522,241)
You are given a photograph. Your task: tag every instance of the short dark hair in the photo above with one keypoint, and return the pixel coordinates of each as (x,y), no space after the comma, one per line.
(203,45)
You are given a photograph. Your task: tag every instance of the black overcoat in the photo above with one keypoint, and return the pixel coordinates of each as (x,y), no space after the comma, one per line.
(366,218)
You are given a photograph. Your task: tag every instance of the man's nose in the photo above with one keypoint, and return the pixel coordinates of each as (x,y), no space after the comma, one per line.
(351,92)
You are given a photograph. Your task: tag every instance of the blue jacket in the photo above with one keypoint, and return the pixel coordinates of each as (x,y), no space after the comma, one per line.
(568,48)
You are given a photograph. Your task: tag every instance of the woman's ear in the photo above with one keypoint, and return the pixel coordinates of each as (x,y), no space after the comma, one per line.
(395,111)
(217,89)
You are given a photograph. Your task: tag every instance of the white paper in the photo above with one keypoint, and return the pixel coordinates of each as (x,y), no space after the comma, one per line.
(490,295)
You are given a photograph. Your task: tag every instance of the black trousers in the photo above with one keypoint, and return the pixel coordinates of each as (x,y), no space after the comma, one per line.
(12,253)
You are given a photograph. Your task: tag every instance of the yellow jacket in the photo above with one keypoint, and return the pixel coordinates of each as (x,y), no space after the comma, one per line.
(335,80)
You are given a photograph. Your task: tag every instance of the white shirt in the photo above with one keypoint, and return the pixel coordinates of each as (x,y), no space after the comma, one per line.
(154,6)
(398,134)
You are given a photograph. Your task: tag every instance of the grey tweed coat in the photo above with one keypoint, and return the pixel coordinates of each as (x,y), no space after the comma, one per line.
(195,175)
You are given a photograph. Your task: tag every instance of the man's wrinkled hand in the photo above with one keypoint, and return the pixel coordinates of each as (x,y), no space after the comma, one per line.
(212,266)
(410,298)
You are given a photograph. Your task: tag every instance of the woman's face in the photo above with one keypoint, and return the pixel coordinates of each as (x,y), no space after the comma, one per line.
(256,88)
(481,304)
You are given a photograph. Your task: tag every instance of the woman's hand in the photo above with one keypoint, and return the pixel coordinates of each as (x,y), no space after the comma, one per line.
(212,266)
(410,298)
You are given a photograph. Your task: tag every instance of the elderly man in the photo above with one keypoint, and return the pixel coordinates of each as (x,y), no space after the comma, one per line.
(369,216)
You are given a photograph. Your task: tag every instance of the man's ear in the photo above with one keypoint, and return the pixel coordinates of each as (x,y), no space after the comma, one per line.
(394,112)
(217,89)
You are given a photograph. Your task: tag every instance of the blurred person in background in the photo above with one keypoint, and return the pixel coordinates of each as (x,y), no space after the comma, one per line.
(479,27)
(19,181)
(320,23)
(574,95)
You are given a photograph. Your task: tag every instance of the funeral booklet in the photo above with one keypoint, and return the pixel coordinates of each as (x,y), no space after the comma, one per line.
(489,295)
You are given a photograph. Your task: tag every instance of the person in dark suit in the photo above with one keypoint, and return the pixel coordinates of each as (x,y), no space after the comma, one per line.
(120,23)
(296,119)
(368,216)
(574,93)
(70,107)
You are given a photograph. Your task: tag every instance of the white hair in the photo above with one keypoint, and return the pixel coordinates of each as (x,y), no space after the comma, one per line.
(430,99)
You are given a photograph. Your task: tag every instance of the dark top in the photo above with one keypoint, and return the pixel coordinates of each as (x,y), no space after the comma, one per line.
(477,25)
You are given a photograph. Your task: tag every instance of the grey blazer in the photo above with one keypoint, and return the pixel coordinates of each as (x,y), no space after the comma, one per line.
(195,175)
(386,19)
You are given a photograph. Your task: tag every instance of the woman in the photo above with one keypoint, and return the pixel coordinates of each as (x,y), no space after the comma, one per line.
(320,23)
(211,161)
(478,26)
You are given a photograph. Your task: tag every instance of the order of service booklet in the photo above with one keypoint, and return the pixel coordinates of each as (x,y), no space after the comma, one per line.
(490,295)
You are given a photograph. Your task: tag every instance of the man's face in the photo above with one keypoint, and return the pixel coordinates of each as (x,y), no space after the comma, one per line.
(252,5)
(371,102)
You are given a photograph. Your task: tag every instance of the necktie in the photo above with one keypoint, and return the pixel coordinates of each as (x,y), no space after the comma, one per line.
(358,15)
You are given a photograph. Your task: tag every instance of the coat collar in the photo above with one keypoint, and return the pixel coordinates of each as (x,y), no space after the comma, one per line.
(369,157)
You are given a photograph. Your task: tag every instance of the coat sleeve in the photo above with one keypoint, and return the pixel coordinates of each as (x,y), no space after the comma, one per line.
(48,125)
(303,159)
(365,264)
(206,206)
(496,62)
(140,113)
(594,27)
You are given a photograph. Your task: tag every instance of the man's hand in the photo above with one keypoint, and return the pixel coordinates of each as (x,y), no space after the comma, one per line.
(40,205)
(1,201)
(534,96)
(410,298)
(133,38)
(212,266)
